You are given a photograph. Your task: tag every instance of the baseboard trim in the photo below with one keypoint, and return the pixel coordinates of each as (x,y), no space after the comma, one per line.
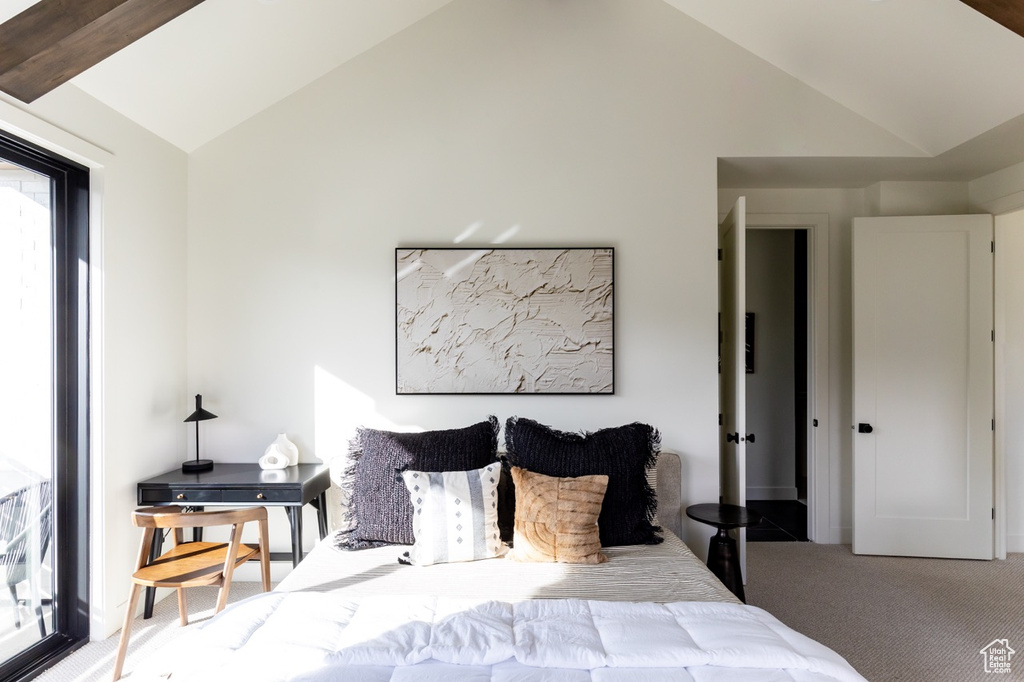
(777,493)
(836,536)
(1015,543)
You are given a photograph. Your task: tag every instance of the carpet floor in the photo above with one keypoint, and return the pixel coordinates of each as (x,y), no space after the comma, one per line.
(894,618)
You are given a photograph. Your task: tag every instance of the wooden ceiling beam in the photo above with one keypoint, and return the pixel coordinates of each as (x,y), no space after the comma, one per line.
(53,41)
(1009,13)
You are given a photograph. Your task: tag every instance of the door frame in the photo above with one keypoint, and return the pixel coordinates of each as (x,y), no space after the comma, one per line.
(823,482)
(70,184)
(1002,264)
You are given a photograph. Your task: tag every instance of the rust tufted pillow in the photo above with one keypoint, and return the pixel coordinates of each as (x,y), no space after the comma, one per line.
(556,518)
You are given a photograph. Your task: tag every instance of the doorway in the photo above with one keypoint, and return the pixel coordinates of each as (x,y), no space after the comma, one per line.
(821,525)
(777,382)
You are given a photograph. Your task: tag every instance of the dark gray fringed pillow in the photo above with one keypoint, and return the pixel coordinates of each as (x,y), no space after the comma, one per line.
(623,453)
(380,512)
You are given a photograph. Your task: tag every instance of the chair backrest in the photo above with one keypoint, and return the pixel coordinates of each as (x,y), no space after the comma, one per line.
(19,511)
(177,517)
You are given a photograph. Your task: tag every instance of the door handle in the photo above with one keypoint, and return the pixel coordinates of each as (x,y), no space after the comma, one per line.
(750,438)
(732,438)
(864,428)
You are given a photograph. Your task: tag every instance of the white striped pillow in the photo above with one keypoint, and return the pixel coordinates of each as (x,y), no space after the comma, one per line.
(455,515)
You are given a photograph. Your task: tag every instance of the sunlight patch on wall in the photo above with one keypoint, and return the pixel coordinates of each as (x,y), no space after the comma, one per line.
(338,410)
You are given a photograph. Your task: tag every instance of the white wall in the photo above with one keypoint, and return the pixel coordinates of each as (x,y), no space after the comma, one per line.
(580,122)
(137,321)
(999,192)
(892,198)
(771,395)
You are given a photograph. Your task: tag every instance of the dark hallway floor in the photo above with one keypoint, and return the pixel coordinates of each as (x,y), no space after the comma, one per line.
(784,521)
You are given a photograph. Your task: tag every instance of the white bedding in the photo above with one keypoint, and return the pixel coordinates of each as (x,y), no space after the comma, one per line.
(302,636)
(659,573)
(651,612)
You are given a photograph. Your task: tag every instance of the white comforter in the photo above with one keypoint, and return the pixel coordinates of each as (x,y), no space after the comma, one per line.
(309,636)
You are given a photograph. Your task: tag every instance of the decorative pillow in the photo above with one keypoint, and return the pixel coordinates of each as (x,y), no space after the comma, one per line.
(506,501)
(556,518)
(624,454)
(455,515)
(380,512)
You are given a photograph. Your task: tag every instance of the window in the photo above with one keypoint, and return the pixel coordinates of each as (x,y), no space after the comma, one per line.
(44,611)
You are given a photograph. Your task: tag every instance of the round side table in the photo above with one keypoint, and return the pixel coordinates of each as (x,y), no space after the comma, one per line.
(723,555)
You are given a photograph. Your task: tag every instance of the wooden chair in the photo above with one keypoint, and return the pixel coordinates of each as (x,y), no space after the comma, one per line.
(190,564)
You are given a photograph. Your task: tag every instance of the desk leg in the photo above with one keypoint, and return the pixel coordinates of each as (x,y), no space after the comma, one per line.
(295,519)
(154,552)
(320,502)
(197,531)
(724,562)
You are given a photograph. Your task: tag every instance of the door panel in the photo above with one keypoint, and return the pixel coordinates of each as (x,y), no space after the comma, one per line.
(923,386)
(733,377)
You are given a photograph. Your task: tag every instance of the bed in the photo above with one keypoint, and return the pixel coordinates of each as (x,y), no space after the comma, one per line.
(647,611)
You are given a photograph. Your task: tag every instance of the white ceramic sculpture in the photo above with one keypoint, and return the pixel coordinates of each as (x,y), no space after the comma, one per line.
(274,458)
(285,448)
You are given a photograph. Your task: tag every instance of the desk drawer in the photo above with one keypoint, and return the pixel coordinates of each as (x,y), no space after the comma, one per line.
(197,496)
(258,496)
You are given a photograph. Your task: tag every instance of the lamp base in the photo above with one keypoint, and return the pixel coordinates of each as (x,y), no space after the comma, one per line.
(197,466)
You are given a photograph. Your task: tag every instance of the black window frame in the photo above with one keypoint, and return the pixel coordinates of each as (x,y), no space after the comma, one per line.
(69,201)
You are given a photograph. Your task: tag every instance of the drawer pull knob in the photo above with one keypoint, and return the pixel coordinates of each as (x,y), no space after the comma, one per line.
(181,496)
(259,496)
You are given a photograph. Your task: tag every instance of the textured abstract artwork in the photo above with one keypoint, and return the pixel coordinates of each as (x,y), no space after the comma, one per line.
(504,320)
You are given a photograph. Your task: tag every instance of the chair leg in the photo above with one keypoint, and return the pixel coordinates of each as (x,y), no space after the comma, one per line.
(264,555)
(265,573)
(182,606)
(230,557)
(222,595)
(129,616)
(17,607)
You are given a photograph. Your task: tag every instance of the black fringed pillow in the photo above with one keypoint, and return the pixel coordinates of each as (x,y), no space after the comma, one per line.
(380,511)
(623,453)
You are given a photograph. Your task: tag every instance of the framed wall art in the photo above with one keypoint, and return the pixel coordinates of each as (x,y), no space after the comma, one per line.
(504,320)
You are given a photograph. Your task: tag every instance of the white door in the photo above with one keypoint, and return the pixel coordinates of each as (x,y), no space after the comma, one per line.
(733,378)
(923,386)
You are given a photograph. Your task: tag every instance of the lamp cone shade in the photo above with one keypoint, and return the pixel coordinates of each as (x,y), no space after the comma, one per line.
(200,415)
(196,466)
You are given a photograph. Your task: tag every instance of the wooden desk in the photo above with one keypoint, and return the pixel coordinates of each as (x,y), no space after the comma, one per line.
(243,485)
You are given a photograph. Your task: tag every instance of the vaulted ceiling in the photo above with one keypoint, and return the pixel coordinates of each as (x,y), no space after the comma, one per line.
(937,73)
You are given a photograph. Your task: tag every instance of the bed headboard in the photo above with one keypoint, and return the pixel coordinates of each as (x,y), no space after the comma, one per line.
(668,484)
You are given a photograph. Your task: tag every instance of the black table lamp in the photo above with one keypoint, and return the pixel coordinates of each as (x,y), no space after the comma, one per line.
(200,415)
